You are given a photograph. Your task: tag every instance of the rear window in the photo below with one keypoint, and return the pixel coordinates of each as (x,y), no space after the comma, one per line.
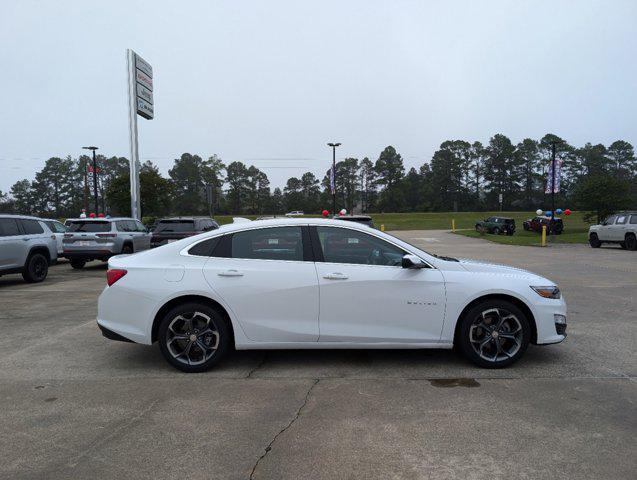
(32,227)
(175,226)
(83,226)
(633,220)
(205,248)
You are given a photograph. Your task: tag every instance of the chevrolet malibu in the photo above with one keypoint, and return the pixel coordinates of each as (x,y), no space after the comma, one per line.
(319,283)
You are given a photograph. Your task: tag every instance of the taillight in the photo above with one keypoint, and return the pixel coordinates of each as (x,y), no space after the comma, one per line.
(106,235)
(113,275)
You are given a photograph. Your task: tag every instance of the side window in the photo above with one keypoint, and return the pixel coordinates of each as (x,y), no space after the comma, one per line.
(205,248)
(32,227)
(633,220)
(342,245)
(9,227)
(621,219)
(58,227)
(610,220)
(278,243)
(140,226)
(122,226)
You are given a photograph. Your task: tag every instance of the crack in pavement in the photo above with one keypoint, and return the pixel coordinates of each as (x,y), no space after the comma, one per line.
(296,416)
(259,365)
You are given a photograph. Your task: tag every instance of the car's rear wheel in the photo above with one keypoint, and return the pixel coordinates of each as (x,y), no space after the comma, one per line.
(127,249)
(193,337)
(494,334)
(593,241)
(78,264)
(36,268)
(631,242)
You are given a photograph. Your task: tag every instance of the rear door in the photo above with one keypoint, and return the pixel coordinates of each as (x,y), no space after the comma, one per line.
(367,297)
(13,244)
(267,278)
(142,237)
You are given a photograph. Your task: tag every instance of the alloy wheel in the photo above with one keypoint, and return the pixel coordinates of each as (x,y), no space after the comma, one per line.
(496,335)
(192,338)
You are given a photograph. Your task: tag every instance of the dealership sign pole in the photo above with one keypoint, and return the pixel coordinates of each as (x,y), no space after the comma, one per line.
(140,101)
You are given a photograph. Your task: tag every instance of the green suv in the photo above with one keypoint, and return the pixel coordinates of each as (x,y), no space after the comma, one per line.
(496,225)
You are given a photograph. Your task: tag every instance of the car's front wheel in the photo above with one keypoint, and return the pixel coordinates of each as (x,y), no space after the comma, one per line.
(193,337)
(36,268)
(494,334)
(593,241)
(496,231)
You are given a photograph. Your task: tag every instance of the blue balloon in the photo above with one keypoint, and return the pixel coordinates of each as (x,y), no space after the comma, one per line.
(558,211)
(548,213)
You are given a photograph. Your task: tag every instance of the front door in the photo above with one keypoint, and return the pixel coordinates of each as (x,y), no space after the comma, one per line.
(367,297)
(269,281)
(13,244)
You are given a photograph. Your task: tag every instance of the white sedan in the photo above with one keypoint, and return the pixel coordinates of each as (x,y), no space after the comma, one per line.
(318,283)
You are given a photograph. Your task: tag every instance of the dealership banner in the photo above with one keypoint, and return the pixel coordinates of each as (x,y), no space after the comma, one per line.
(558,177)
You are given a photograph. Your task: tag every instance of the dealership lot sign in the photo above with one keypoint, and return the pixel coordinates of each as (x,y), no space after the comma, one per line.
(141,101)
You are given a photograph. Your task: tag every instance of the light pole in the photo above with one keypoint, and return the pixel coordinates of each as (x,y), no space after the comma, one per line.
(94,177)
(333,175)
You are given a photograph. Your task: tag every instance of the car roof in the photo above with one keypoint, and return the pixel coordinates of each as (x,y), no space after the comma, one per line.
(185,218)
(26,217)
(100,219)
(284,221)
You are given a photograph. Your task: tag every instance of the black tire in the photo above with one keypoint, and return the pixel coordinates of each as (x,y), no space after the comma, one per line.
(477,227)
(526,226)
(631,242)
(196,313)
(515,324)
(36,268)
(509,233)
(127,249)
(623,245)
(78,264)
(593,241)
(496,231)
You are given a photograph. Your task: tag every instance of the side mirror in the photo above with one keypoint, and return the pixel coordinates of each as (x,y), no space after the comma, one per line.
(413,262)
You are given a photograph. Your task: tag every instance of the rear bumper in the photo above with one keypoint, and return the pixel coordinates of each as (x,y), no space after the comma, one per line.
(111,335)
(101,254)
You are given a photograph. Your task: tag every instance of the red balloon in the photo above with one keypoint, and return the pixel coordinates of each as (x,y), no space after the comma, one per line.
(567,211)
(92,215)
(325,213)
(101,215)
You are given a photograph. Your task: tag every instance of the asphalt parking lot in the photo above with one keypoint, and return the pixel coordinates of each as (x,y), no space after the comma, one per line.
(75,405)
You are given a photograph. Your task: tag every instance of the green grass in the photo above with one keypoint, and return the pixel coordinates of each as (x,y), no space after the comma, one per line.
(529,238)
(442,220)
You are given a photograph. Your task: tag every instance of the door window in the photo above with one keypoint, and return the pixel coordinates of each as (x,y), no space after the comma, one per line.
(633,220)
(621,220)
(342,245)
(205,248)
(9,227)
(610,220)
(278,243)
(32,227)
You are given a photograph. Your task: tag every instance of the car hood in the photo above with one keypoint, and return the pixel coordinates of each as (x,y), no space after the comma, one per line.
(494,268)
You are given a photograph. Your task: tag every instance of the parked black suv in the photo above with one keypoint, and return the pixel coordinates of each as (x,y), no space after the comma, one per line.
(170,229)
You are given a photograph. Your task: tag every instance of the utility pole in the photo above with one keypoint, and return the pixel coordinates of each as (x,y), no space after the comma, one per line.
(333,175)
(97,207)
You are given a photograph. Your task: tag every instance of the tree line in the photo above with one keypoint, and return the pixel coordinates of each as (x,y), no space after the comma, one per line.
(461,176)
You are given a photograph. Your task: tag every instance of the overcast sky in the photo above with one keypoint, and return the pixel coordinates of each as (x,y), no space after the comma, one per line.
(270,82)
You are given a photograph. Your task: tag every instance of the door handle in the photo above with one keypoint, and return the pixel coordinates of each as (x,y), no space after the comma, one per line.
(230,273)
(336,276)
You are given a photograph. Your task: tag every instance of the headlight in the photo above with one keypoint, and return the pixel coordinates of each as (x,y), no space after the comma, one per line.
(548,292)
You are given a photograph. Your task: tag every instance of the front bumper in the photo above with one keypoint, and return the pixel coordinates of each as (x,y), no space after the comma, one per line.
(550,321)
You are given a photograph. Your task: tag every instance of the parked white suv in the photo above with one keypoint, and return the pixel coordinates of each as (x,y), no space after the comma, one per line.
(27,246)
(620,228)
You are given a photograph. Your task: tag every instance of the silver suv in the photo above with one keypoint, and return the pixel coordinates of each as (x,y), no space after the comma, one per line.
(27,246)
(101,238)
(620,228)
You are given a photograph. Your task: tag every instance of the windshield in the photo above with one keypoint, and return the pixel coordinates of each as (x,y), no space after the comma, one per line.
(90,226)
(439,257)
(175,226)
